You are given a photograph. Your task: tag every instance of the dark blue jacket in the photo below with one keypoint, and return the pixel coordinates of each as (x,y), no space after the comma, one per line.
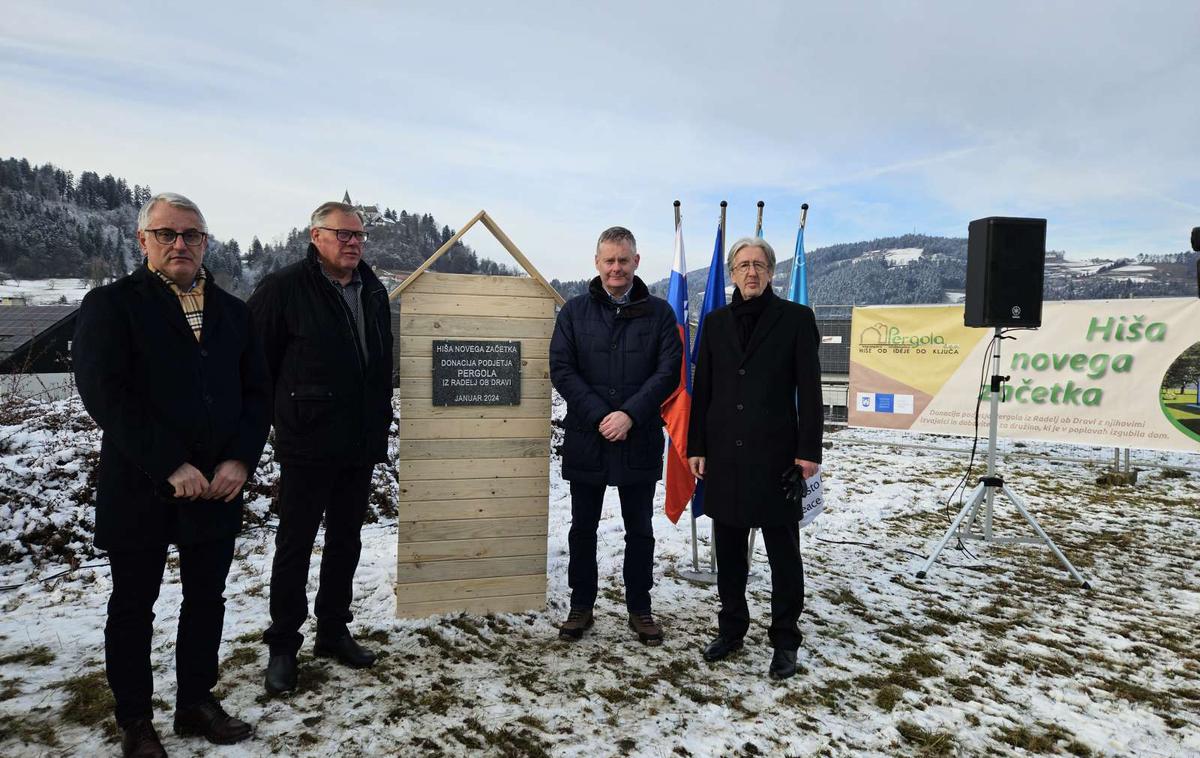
(604,358)
(163,399)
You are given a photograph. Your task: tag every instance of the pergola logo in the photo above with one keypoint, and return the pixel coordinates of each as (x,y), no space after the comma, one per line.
(882,334)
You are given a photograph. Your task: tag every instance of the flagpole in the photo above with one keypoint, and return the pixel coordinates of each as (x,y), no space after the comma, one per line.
(758,224)
(691,511)
(712,552)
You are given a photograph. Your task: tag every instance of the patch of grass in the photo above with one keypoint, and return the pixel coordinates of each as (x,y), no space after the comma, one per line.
(27,731)
(844,597)
(34,656)
(434,638)
(1173,473)
(1136,693)
(943,616)
(514,743)
(241,656)
(887,697)
(1042,738)
(89,700)
(927,742)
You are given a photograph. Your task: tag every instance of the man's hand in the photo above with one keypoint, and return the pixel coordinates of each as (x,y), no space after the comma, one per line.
(615,426)
(696,464)
(227,481)
(188,482)
(808,468)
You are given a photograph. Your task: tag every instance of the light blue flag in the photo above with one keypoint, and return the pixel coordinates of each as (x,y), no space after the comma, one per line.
(798,282)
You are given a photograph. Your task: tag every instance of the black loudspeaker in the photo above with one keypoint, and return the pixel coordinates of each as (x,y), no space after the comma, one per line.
(1006,260)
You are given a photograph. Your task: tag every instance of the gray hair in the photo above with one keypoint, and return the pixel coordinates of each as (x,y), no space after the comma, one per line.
(746,242)
(617,234)
(174,200)
(325,210)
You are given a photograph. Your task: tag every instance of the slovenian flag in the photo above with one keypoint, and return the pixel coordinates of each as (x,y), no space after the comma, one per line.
(676,408)
(714,297)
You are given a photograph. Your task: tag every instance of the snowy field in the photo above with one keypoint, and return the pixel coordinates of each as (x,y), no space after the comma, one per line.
(46,291)
(996,653)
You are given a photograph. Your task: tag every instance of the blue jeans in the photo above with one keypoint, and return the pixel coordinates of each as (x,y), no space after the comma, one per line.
(636,509)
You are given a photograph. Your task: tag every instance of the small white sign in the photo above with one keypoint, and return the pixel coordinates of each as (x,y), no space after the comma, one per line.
(832,339)
(904,404)
(814,499)
(865,402)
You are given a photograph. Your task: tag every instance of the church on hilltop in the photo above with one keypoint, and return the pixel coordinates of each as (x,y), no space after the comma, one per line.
(371,215)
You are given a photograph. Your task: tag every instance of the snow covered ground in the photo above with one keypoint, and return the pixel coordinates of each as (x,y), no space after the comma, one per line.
(997,652)
(46,291)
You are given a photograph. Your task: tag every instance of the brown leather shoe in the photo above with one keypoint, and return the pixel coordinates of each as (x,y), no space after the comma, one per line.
(209,720)
(139,740)
(578,621)
(648,630)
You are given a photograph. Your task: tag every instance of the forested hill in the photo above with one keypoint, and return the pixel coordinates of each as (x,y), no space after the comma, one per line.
(917,268)
(55,224)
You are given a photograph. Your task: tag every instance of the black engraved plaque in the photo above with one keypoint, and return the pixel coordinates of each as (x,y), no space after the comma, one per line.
(476,372)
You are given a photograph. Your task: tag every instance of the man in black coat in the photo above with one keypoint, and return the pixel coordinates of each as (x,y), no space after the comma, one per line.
(325,326)
(169,367)
(614,358)
(756,412)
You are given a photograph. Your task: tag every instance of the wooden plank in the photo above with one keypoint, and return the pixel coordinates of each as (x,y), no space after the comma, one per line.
(414,387)
(448,550)
(421,347)
(471,589)
(476,284)
(415,275)
(447,570)
(421,325)
(479,606)
(496,507)
(472,528)
(494,306)
(488,468)
(473,489)
(531,368)
(515,252)
(478,429)
(521,447)
(414,408)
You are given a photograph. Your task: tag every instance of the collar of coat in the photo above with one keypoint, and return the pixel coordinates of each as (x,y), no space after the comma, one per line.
(739,303)
(639,298)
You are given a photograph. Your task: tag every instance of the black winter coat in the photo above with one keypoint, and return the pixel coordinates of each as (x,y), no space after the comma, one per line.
(333,405)
(163,399)
(744,411)
(605,358)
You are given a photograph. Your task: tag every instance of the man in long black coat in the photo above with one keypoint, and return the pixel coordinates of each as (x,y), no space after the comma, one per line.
(614,358)
(325,326)
(756,411)
(169,367)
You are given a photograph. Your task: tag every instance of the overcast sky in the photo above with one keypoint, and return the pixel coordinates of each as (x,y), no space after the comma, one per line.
(887,117)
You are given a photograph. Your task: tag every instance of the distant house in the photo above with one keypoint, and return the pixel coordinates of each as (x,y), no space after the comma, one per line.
(36,339)
(371,215)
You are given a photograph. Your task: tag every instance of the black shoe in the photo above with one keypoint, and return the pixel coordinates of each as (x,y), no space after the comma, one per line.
(783,663)
(721,648)
(345,650)
(139,740)
(281,673)
(209,720)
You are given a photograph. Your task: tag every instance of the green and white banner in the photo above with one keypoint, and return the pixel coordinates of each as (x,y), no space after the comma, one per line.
(1120,373)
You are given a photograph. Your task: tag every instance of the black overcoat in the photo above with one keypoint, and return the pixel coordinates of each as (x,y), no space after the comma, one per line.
(163,399)
(332,405)
(756,410)
(604,358)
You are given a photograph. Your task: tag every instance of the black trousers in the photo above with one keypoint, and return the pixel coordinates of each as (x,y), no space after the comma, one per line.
(787,581)
(306,493)
(136,577)
(636,510)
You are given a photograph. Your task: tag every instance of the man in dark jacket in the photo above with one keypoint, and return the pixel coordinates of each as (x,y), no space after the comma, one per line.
(325,326)
(614,358)
(756,412)
(169,367)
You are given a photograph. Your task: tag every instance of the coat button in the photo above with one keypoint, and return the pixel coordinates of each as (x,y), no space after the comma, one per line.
(208,400)
(738,443)
(203,353)
(612,392)
(741,372)
(613,346)
(739,406)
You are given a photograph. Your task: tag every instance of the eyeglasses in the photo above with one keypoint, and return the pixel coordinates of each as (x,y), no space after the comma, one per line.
(345,235)
(745,266)
(191,237)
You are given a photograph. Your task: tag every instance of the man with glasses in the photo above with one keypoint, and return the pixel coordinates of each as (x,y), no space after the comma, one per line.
(170,369)
(326,330)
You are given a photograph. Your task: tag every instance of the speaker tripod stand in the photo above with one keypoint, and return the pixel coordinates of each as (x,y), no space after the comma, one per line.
(966,524)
